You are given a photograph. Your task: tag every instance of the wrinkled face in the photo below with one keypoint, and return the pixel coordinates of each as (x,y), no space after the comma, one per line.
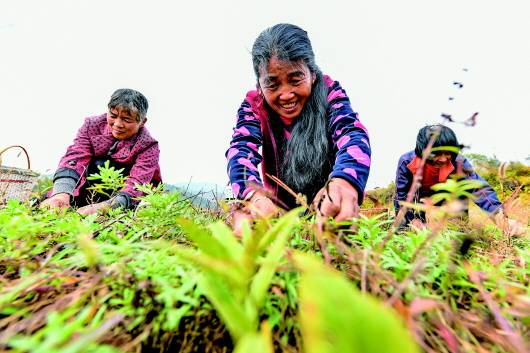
(122,123)
(286,86)
(440,159)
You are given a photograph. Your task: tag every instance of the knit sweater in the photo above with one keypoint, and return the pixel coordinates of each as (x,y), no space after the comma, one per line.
(94,139)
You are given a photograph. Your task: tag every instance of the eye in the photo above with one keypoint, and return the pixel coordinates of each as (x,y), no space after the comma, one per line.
(296,82)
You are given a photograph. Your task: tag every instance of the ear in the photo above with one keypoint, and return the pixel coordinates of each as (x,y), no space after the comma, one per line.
(143,122)
(313,78)
(260,92)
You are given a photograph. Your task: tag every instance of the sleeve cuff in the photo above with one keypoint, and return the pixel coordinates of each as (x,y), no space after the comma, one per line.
(122,200)
(64,186)
(66,173)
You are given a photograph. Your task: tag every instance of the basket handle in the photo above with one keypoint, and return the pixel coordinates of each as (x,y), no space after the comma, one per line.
(23,149)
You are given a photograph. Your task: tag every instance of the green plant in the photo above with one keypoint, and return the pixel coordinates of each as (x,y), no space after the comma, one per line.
(108,181)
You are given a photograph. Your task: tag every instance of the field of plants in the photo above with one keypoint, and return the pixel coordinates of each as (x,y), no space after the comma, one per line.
(170,277)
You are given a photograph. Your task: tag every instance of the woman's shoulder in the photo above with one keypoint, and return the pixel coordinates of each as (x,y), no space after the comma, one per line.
(145,138)
(253,104)
(96,119)
(95,125)
(253,98)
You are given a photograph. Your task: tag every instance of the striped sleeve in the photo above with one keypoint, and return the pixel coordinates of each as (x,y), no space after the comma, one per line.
(243,155)
(350,139)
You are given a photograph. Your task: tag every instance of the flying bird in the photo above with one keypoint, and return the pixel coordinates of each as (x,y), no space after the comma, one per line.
(458,84)
(472,120)
(447,117)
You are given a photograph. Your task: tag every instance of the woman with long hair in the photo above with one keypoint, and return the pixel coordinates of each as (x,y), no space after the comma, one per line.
(310,137)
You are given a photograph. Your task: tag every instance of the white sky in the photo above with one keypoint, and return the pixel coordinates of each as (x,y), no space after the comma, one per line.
(61,60)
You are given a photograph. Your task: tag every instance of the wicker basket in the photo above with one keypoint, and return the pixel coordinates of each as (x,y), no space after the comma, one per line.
(16,183)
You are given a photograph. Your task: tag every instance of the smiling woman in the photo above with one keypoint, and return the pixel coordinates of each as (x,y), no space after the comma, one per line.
(310,137)
(119,137)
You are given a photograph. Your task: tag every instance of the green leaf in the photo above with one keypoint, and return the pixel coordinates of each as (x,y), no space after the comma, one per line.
(230,310)
(280,232)
(259,342)
(336,317)
(227,239)
(203,239)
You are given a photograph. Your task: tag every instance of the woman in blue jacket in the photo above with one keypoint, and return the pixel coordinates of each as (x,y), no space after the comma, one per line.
(440,165)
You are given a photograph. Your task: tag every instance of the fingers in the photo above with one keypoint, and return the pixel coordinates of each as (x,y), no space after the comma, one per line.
(85,210)
(515,228)
(349,207)
(240,218)
(416,223)
(317,201)
(94,208)
(262,207)
(338,199)
(56,201)
(326,205)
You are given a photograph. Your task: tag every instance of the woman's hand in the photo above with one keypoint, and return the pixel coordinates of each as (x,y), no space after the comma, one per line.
(509,226)
(61,200)
(239,218)
(338,199)
(261,206)
(94,208)
(416,223)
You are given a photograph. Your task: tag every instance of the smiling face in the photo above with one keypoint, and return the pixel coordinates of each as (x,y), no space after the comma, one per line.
(440,159)
(123,123)
(286,86)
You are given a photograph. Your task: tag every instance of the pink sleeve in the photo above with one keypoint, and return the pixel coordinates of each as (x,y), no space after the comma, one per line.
(143,170)
(79,154)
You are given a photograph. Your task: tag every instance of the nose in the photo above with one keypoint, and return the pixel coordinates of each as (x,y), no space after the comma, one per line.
(118,122)
(286,95)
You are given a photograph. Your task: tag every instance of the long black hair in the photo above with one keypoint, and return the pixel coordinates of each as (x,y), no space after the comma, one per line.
(306,159)
(446,138)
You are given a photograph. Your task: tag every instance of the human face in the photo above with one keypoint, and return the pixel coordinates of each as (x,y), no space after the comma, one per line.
(440,159)
(286,85)
(122,123)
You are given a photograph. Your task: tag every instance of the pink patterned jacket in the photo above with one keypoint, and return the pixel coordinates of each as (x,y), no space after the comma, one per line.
(94,139)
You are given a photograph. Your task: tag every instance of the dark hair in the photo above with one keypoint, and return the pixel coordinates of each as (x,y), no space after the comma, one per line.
(306,163)
(446,137)
(132,101)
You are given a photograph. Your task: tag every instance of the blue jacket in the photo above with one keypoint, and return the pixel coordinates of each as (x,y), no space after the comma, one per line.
(485,197)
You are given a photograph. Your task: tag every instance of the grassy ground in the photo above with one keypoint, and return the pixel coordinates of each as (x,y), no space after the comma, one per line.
(170,277)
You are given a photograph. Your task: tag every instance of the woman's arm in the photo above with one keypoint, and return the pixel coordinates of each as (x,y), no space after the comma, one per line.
(74,163)
(350,139)
(404,179)
(144,168)
(485,197)
(243,155)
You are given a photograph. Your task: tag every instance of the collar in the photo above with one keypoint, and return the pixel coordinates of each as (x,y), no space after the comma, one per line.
(444,171)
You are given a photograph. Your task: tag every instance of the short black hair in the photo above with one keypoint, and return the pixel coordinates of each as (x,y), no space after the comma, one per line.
(131,100)
(446,137)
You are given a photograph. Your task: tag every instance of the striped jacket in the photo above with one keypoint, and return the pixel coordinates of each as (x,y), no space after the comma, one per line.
(351,145)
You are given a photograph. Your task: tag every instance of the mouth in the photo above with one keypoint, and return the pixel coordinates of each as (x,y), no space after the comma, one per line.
(118,132)
(289,107)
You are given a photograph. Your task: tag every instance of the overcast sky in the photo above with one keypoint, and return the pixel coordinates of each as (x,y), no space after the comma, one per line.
(397,60)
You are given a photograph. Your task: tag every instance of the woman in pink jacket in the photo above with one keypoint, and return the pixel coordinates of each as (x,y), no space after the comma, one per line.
(119,137)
